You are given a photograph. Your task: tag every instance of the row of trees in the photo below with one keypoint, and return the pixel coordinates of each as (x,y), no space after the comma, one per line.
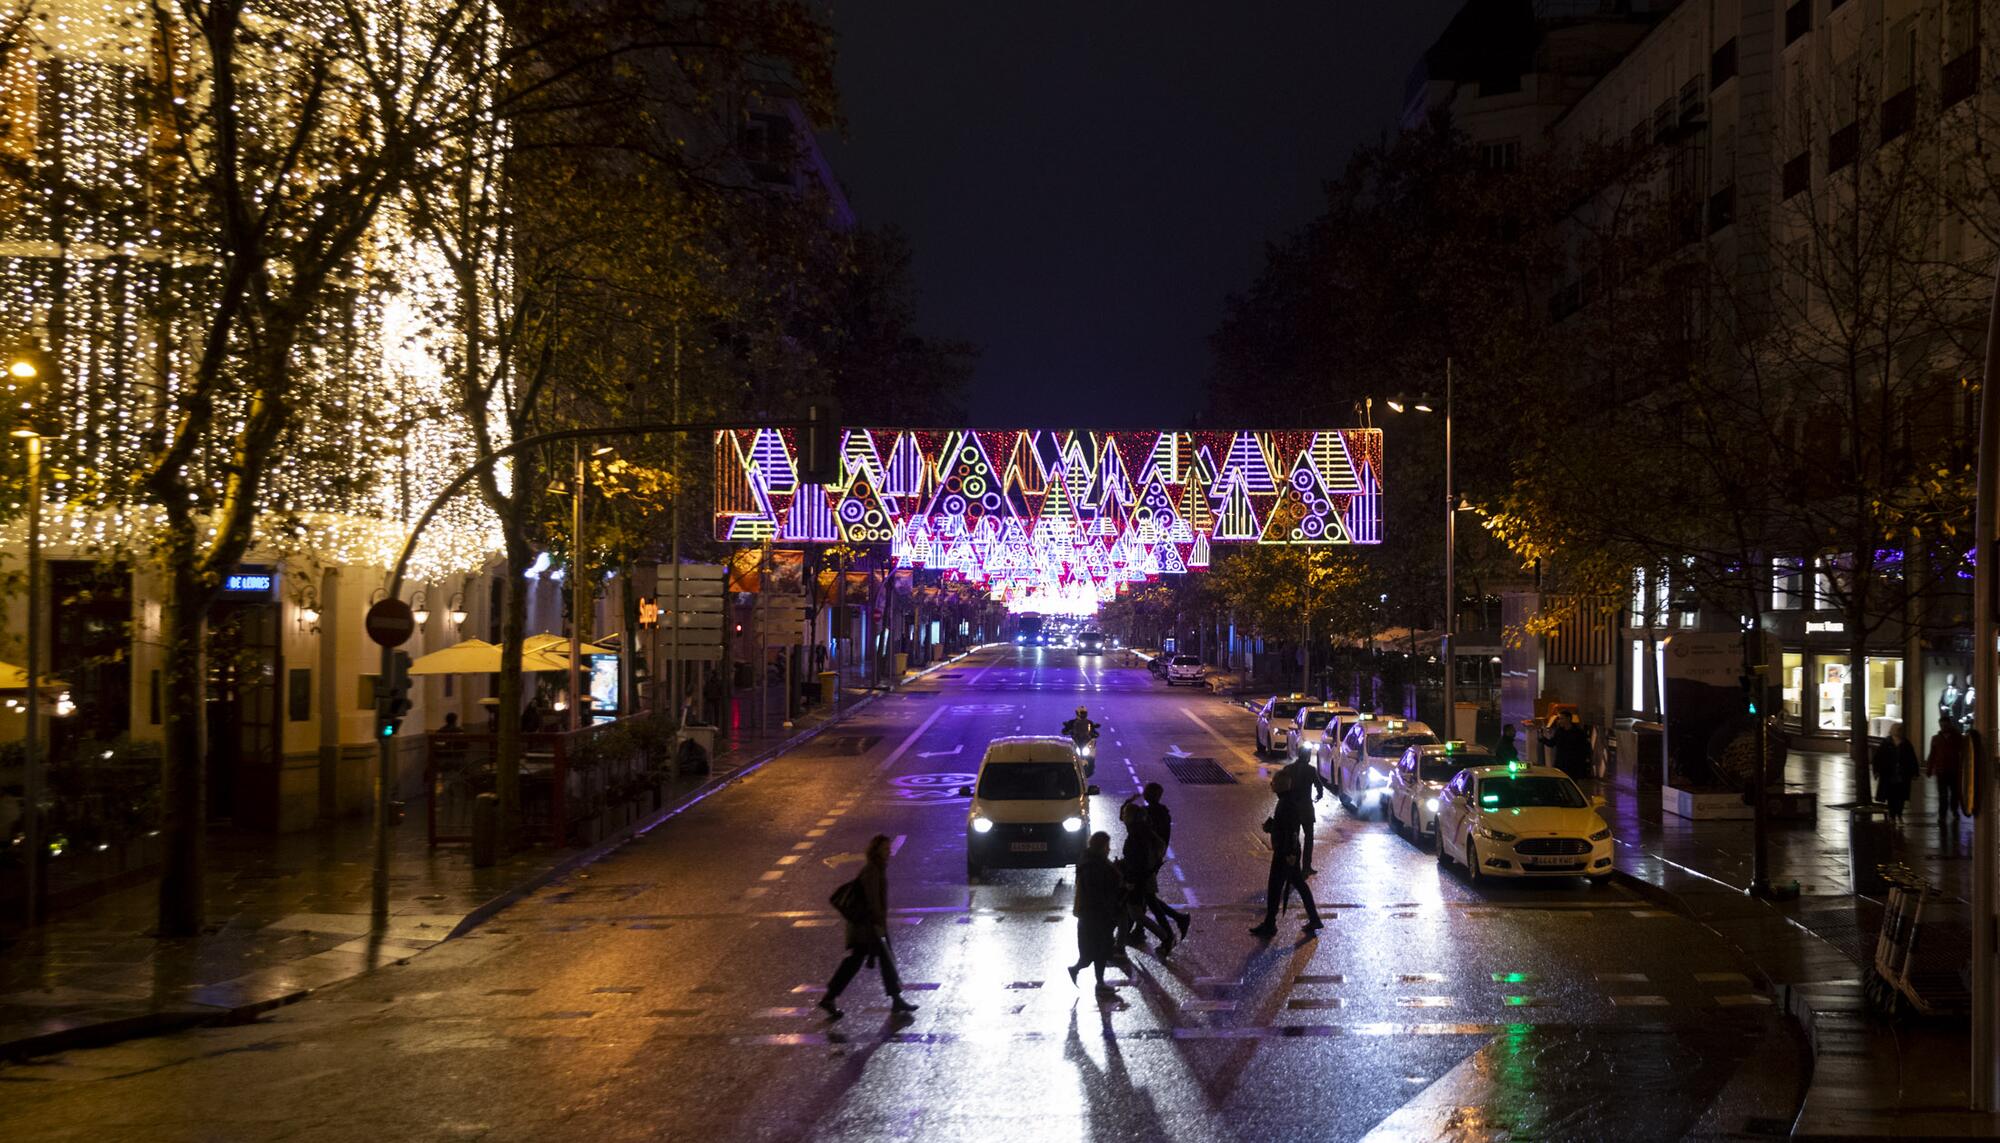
(1651,374)
(563,214)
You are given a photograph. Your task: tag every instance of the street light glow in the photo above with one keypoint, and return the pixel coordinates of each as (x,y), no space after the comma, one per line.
(22,368)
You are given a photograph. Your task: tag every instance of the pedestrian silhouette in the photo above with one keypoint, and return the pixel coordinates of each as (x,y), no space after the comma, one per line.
(1285,873)
(1096,909)
(867,932)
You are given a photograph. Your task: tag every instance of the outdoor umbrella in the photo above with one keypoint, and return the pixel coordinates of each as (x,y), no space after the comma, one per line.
(478,657)
(13,678)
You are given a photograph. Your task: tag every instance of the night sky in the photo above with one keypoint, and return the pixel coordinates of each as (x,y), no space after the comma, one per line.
(1083,182)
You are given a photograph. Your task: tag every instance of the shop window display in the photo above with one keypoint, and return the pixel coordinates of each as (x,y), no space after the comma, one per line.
(1833,696)
(1792,678)
(1884,694)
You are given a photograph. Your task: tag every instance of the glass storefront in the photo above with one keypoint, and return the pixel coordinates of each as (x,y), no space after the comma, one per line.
(1883,694)
(1792,680)
(1833,696)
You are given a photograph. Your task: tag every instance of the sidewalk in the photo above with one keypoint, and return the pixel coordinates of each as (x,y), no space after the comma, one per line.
(1871,1078)
(290,913)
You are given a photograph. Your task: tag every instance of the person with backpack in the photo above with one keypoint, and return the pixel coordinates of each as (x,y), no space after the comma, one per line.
(1096,909)
(864,904)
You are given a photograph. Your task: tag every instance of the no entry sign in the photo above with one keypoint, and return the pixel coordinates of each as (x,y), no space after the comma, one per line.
(390,623)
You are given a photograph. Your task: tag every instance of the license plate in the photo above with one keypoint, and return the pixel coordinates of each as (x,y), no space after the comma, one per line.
(1030,847)
(1539,862)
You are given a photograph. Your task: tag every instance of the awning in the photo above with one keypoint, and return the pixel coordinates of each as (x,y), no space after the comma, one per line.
(13,678)
(478,657)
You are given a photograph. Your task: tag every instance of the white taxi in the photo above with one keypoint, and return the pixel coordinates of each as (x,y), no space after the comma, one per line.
(1369,755)
(1522,821)
(1313,728)
(1274,722)
(1419,778)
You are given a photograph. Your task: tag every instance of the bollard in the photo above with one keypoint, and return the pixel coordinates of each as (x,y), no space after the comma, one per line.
(485,830)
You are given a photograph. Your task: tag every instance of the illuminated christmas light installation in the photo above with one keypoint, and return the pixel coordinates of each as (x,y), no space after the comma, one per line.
(1056,520)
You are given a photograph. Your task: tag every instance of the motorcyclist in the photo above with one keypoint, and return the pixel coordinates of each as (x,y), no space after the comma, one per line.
(1080,729)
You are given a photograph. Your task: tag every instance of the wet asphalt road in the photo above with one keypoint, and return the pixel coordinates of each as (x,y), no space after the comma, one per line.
(667,992)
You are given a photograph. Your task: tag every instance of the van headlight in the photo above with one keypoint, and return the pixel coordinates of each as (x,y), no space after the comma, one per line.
(1071,825)
(982,825)
(1432,805)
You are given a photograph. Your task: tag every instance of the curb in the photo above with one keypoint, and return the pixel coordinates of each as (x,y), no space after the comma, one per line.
(103,1033)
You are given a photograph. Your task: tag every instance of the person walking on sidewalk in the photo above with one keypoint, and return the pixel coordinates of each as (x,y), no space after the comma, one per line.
(1571,744)
(1162,820)
(1895,764)
(1947,756)
(1096,909)
(1285,873)
(868,935)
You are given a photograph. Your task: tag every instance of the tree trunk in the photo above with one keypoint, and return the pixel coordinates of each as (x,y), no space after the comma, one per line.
(1857,688)
(183,785)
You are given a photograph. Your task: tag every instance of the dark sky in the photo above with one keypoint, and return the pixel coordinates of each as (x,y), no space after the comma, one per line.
(1084,181)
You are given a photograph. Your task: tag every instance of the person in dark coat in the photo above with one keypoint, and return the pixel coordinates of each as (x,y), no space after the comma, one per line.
(1162,820)
(1947,758)
(1096,909)
(1571,744)
(1139,864)
(1895,765)
(1303,791)
(1507,750)
(868,938)
(1285,871)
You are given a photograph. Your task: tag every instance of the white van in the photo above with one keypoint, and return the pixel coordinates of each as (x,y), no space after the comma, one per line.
(1030,806)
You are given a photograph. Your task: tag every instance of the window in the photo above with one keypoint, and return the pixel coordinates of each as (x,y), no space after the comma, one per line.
(1639,612)
(1798,20)
(1797,174)
(1662,587)
(1722,64)
(1899,114)
(1833,695)
(1639,674)
(1899,55)
(1791,684)
(1685,603)
(768,148)
(1884,696)
(364,691)
(1504,155)
(1721,208)
(298,694)
(1841,147)
(1787,584)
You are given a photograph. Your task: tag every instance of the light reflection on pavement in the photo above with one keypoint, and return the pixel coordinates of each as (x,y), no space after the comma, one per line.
(668,991)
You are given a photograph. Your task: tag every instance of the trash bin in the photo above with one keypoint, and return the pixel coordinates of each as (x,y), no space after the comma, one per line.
(1868,839)
(902,664)
(828,680)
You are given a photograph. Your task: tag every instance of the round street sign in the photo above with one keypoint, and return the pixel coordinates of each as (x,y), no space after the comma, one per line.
(390,623)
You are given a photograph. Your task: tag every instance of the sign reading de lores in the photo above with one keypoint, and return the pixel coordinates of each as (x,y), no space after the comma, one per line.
(1020,503)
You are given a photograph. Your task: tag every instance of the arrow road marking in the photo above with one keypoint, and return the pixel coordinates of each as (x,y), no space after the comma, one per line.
(959,749)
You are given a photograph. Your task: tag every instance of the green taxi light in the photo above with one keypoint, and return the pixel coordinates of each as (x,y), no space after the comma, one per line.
(1490,799)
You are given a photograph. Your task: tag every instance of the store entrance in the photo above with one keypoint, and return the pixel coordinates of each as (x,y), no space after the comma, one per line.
(242,712)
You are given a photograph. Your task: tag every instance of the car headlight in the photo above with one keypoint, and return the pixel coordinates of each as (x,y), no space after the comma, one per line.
(1491,834)
(1071,825)
(1602,835)
(1377,777)
(982,825)
(1432,805)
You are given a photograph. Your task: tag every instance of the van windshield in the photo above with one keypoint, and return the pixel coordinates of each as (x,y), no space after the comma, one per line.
(1025,781)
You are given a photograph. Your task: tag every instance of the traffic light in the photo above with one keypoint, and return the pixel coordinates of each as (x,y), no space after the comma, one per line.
(819,456)
(395,694)
(1749,685)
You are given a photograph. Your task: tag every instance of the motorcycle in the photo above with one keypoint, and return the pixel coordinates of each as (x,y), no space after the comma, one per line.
(1086,749)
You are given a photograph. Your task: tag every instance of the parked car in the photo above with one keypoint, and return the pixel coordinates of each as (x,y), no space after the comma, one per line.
(1369,755)
(1030,805)
(1421,775)
(1312,730)
(1158,665)
(1185,669)
(1274,722)
(1522,821)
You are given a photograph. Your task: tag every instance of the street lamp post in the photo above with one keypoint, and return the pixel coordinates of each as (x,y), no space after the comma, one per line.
(24,385)
(1446,650)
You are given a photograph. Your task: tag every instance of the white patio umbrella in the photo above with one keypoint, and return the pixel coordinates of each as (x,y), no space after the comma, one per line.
(13,678)
(478,657)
